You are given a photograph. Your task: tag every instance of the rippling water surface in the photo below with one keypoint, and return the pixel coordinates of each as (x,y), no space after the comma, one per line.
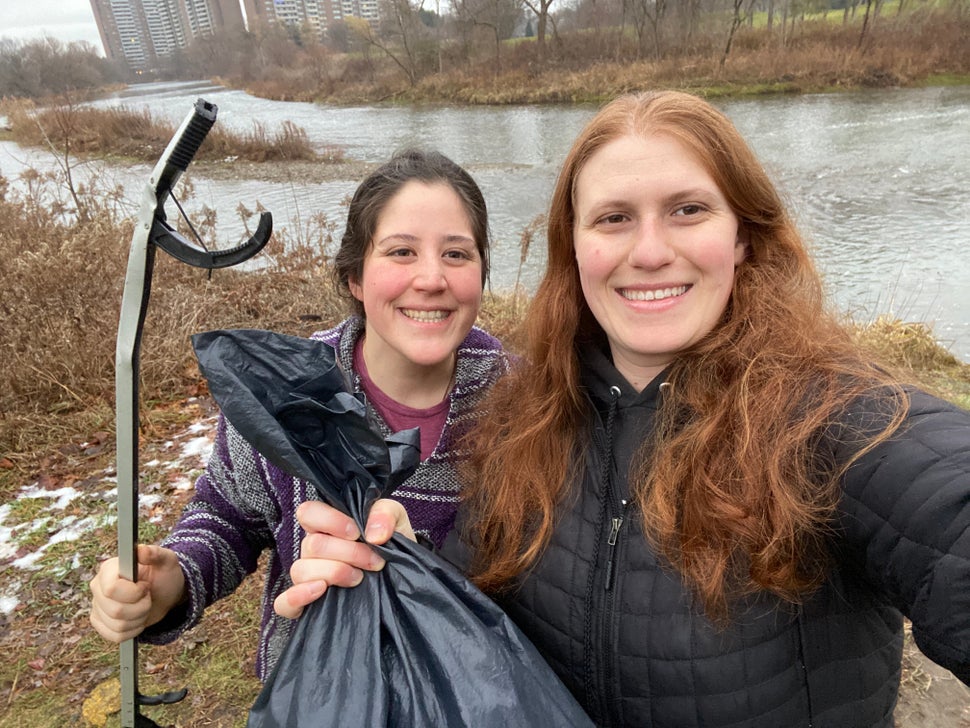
(879,180)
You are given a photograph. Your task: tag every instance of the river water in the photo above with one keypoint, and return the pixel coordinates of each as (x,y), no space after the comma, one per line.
(879,180)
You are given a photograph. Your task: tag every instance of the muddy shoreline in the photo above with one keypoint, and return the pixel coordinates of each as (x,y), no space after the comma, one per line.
(300,172)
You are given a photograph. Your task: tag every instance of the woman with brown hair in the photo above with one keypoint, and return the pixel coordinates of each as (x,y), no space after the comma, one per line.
(412,263)
(699,499)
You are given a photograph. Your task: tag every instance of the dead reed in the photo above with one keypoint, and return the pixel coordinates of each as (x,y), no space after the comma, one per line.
(60,303)
(133,134)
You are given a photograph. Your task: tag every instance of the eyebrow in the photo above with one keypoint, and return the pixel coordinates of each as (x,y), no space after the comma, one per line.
(406,238)
(693,192)
(623,201)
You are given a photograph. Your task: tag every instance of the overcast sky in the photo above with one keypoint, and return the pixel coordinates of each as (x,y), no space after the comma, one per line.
(66,20)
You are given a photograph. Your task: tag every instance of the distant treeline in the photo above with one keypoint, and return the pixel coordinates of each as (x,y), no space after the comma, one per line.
(531,51)
(48,67)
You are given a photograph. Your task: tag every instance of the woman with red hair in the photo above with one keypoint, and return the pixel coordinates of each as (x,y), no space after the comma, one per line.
(699,499)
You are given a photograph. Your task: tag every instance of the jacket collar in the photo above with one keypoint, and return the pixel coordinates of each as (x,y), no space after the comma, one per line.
(599,376)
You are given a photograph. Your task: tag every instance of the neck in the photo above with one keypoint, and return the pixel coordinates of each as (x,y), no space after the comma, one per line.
(639,376)
(413,385)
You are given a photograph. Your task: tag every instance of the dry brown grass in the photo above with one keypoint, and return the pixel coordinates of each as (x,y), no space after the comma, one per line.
(60,303)
(586,66)
(913,353)
(129,133)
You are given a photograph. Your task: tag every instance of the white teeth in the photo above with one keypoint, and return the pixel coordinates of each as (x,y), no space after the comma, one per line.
(424,316)
(657,295)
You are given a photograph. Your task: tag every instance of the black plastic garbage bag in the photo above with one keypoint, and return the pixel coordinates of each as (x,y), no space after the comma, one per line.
(415,644)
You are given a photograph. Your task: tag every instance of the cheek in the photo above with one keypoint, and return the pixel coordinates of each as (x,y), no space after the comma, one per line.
(380,286)
(466,285)
(592,263)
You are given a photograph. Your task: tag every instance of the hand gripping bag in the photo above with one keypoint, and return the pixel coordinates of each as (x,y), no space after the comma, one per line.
(416,644)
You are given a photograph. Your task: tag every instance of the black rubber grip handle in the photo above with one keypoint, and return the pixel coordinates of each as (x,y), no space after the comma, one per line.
(188,144)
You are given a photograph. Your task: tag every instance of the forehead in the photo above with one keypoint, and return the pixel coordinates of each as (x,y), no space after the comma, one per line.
(634,159)
(418,197)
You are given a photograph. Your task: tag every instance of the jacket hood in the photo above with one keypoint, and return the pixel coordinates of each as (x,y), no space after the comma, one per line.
(634,413)
(599,376)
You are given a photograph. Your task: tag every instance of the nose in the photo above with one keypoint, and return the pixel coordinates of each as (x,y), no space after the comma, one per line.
(650,247)
(430,275)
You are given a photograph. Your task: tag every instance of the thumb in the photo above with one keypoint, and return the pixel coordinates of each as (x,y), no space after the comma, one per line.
(385,517)
(156,556)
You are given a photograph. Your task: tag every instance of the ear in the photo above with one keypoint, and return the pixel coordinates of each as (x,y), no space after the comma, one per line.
(740,249)
(355,289)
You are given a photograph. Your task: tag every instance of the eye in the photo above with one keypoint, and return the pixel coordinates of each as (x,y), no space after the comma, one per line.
(614,218)
(458,254)
(400,252)
(689,210)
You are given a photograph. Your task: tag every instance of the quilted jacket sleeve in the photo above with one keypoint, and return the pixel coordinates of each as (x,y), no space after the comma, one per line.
(905,518)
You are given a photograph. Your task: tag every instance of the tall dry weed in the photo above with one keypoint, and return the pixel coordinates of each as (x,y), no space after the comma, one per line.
(69,128)
(60,301)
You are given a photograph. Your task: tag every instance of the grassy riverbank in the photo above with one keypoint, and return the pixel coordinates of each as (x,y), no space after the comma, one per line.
(63,265)
(121,133)
(912,45)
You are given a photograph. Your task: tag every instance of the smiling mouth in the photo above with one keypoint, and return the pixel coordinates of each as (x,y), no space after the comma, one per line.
(655,295)
(428,317)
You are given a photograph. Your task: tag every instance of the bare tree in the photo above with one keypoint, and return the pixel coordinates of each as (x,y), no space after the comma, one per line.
(498,17)
(650,12)
(740,10)
(399,33)
(865,23)
(541,10)
(46,67)
(686,13)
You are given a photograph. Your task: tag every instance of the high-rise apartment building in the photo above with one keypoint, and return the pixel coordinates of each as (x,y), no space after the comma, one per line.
(140,32)
(317,15)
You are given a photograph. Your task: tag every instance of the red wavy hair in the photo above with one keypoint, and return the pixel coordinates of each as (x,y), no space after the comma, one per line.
(730,491)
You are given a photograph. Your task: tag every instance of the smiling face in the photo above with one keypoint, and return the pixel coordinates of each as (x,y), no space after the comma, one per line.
(656,244)
(421,285)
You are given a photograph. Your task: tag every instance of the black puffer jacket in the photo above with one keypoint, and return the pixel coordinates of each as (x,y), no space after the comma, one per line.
(621,631)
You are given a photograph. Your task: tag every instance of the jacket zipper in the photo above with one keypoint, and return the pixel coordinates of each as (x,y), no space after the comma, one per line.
(611,542)
(613,517)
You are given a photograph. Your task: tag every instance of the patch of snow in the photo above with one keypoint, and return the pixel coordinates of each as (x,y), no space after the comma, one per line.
(70,528)
(199,446)
(29,562)
(147,501)
(7,546)
(8,604)
(74,529)
(182,484)
(62,496)
(194,443)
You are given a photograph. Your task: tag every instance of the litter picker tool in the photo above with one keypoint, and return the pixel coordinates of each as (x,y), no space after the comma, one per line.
(153,231)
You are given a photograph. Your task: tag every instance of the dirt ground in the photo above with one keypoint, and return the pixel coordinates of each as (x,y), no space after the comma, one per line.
(929,696)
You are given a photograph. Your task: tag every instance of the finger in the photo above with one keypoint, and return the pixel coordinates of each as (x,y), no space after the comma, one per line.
(335,573)
(385,517)
(354,553)
(290,603)
(115,611)
(113,635)
(318,517)
(116,629)
(108,586)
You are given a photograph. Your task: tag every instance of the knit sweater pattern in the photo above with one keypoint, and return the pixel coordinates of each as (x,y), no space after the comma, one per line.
(243,504)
